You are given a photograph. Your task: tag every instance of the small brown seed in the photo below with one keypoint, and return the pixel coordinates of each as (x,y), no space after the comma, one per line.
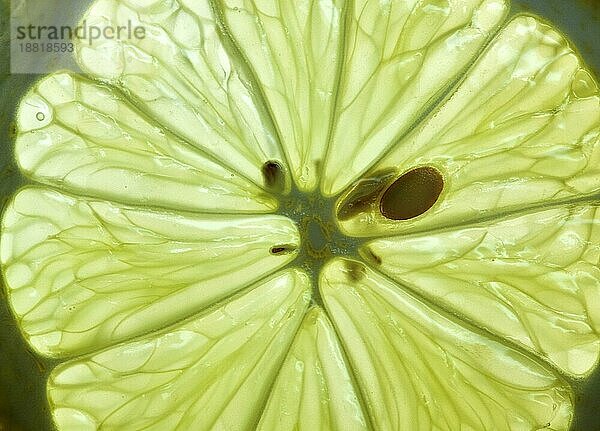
(364,195)
(356,271)
(279,250)
(372,257)
(274,176)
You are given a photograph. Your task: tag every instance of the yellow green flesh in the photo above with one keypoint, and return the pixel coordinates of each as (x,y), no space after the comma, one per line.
(217,238)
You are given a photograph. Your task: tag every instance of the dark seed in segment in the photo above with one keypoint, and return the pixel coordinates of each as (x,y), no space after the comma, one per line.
(282,249)
(364,195)
(412,194)
(370,256)
(355,270)
(274,176)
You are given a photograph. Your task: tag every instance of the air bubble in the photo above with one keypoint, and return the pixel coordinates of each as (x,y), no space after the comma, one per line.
(583,85)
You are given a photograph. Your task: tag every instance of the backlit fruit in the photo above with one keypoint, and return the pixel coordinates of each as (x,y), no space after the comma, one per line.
(311,215)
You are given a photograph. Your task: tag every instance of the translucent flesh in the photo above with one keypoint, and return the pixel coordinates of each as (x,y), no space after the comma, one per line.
(185,76)
(293,48)
(420,370)
(152,254)
(314,388)
(84,137)
(521,131)
(212,372)
(399,57)
(84,274)
(534,278)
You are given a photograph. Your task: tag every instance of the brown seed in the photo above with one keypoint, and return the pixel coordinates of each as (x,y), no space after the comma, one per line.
(372,257)
(356,271)
(363,195)
(412,194)
(273,176)
(282,249)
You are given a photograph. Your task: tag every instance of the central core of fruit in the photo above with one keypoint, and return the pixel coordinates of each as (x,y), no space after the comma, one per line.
(315,217)
(394,197)
(320,238)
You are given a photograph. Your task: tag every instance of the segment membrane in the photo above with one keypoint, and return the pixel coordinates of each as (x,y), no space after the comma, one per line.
(522,130)
(400,56)
(314,390)
(532,279)
(186,75)
(212,372)
(420,370)
(294,48)
(83,274)
(84,137)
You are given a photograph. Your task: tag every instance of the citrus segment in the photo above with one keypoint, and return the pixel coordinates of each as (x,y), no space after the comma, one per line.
(294,49)
(212,372)
(399,57)
(314,390)
(519,132)
(186,75)
(83,274)
(419,369)
(84,137)
(532,279)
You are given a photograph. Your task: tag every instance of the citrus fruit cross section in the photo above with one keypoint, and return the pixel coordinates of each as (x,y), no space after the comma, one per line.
(311,215)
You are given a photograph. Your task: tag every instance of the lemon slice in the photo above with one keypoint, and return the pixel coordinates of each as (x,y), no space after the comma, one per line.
(311,215)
